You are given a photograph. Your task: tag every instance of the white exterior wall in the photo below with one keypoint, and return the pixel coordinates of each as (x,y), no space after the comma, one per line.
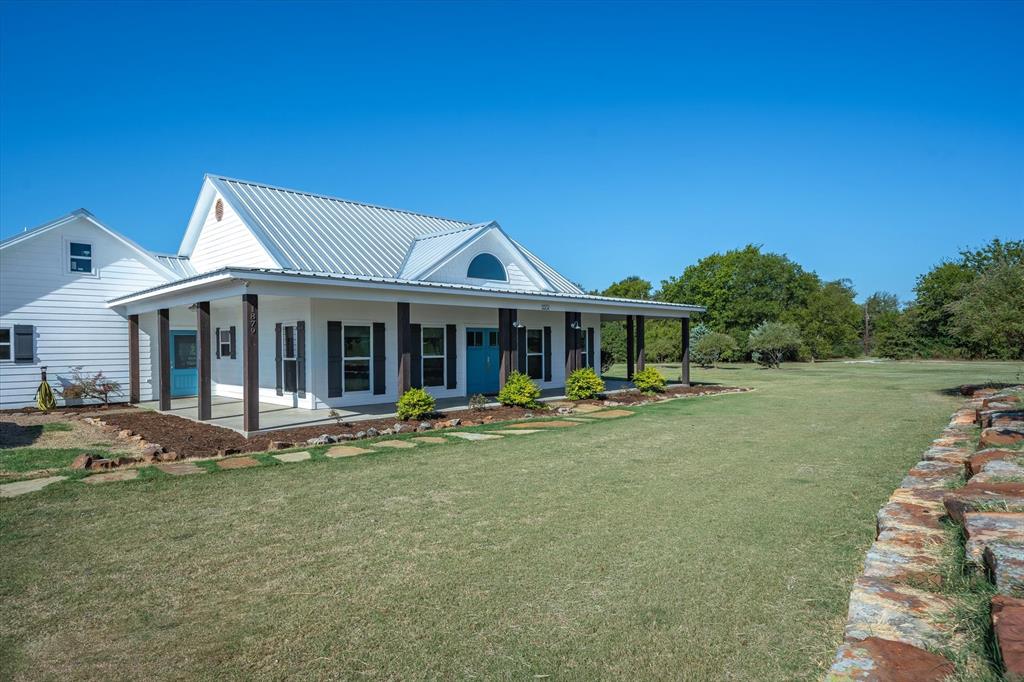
(495,244)
(228,242)
(72,324)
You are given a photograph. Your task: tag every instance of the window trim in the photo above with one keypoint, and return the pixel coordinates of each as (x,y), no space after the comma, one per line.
(443,355)
(221,342)
(539,354)
(504,270)
(585,346)
(345,357)
(66,254)
(9,343)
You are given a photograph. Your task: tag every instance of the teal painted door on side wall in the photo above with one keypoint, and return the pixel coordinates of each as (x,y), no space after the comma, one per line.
(184,374)
(482,361)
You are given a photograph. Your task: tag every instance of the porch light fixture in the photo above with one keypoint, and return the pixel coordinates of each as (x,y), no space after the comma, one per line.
(518,325)
(575,325)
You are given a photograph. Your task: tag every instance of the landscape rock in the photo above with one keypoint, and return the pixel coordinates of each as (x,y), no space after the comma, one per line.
(449,424)
(1008,627)
(984,528)
(955,455)
(150,451)
(168,456)
(1004,564)
(347,436)
(224,452)
(424,426)
(882,660)
(981,457)
(82,462)
(386,432)
(999,470)
(883,608)
(977,495)
(932,474)
(912,510)
(903,561)
(360,434)
(278,445)
(372,432)
(100,463)
(323,439)
(565,410)
(399,427)
(1001,435)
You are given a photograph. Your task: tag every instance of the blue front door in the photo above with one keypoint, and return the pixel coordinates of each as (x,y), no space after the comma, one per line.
(482,361)
(184,376)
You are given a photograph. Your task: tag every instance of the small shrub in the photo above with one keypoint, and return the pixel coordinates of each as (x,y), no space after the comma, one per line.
(583,384)
(478,401)
(712,347)
(338,417)
(770,342)
(649,380)
(96,386)
(415,404)
(519,391)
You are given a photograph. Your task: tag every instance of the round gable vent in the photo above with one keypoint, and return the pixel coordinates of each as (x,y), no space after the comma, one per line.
(218,209)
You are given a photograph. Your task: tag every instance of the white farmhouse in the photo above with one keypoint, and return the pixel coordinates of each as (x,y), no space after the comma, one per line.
(286,299)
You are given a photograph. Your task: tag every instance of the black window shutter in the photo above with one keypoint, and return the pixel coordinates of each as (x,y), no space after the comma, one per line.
(590,348)
(334,372)
(417,356)
(547,353)
(300,358)
(277,358)
(521,345)
(231,335)
(216,336)
(379,354)
(23,351)
(450,355)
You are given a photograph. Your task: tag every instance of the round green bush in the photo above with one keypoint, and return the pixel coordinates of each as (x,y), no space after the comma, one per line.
(649,380)
(519,391)
(583,384)
(415,404)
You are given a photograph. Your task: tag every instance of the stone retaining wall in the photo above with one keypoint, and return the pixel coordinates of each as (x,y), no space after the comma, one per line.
(899,622)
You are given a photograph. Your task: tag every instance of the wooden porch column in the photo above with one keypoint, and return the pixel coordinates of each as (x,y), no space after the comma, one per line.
(685,373)
(133,359)
(639,342)
(404,349)
(163,317)
(204,391)
(630,352)
(250,363)
(506,343)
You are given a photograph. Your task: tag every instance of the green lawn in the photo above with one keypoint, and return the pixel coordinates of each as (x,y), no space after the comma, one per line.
(713,538)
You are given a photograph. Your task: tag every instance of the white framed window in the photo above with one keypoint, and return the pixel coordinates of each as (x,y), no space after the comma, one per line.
(535,353)
(357,348)
(79,257)
(224,343)
(6,344)
(584,343)
(433,356)
(289,357)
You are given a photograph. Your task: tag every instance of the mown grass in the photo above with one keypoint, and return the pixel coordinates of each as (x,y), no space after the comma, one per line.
(706,539)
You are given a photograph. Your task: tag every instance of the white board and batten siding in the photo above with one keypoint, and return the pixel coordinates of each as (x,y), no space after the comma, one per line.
(227,242)
(71,323)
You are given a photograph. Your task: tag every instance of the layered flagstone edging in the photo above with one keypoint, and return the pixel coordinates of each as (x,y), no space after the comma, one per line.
(901,625)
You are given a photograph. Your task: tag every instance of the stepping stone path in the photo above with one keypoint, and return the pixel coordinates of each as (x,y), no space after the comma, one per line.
(612,414)
(238,463)
(290,457)
(180,468)
(346,451)
(113,476)
(587,409)
(30,486)
(556,424)
(474,436)
(898,616)
(514,432)
(432,440)
(395,444)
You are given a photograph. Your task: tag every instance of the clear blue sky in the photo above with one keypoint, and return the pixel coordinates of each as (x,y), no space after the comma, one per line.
(864,140)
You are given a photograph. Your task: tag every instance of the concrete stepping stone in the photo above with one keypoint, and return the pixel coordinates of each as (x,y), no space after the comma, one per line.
(346,451)
(514,432)
(881,659)
(395,444)
(180,468)
(985,528)
(432,440)
(238,463)
(474,435)
(982,457)
(581,420)
(290,457)
(29,486)
(1005,565)
(933,474)
(556,424)
(612,414)
(112,476)
(883,608)
(587,409)
(980,495)
(1008,626)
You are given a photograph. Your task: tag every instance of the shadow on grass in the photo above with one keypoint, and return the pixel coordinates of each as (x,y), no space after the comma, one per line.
(16,436)
(969,389)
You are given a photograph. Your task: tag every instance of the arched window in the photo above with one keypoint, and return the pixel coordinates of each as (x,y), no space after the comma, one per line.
(486,266)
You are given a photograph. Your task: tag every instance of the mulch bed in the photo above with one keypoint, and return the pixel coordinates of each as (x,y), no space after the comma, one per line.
(71,410)
(635,397)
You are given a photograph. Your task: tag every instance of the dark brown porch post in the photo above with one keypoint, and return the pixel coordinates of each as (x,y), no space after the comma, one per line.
(250,363)
(630,352)
(133,359)
(404,349)
(639,342)
(506,343)
(163,317)
(685,373)
(204,392)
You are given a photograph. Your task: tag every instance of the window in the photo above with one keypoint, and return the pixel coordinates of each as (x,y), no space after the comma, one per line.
(185,351)
(356,363)
(224,343)
(5,343)
(80,257)
(486,266)
(289,358)
(584,338)
(535,353)
(474,339)
(433,356)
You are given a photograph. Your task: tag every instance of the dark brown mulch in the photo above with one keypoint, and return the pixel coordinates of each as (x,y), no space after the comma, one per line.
(634,397)
(71,410)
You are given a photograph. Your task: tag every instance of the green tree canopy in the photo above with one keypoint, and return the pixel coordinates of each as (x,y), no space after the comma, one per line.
(631,287)
(989,319)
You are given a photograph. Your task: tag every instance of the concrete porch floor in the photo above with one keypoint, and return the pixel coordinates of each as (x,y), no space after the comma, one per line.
(227,412)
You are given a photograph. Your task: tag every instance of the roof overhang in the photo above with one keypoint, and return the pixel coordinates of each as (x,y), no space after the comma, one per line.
(229,282)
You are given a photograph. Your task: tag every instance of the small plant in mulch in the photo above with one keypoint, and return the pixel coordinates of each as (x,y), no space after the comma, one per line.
(82,386)
(583,384)
(415,404)
(478,401)
(520,391)
(649,381)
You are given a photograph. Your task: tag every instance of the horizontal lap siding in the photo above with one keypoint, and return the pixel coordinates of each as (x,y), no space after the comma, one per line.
(228,242)
(72,325)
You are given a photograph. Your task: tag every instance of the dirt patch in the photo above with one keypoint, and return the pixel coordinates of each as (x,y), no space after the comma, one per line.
(27,416)
(635,397)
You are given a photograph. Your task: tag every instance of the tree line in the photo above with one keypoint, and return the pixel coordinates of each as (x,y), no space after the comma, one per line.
(766,307)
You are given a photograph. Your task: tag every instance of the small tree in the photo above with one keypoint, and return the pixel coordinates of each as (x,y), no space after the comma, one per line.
(97,386)
(771,341)
(712,347)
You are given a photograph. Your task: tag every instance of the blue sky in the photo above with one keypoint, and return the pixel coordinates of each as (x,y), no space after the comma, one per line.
(864,140)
